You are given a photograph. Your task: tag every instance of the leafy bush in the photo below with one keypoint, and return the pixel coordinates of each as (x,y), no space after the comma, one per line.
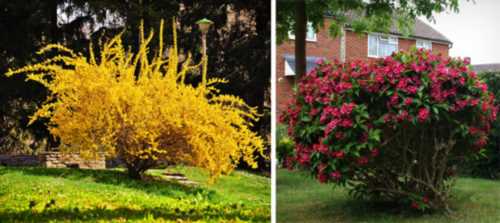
(285,150)
(285,146)
(393,128)
(488,166)
(141,110)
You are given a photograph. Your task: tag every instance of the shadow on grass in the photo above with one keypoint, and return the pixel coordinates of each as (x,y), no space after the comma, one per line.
(152,185)
(195,213)
(367,210)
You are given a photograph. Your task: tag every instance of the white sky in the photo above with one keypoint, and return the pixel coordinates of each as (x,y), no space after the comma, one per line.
(474,30)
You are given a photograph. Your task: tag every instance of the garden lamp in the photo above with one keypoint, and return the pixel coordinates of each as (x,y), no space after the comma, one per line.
(204,25)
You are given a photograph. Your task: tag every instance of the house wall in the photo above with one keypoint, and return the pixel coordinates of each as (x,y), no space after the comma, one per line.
(324,46)
(329,48)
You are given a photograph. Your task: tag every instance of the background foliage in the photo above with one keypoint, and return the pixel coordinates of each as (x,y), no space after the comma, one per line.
(488,166)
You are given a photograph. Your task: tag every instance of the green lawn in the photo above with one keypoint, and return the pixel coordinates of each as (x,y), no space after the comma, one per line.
(71,195)
(301,199)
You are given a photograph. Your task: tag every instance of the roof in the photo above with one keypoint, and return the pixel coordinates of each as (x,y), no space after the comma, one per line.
(491,67)
(423,30)
(420,30)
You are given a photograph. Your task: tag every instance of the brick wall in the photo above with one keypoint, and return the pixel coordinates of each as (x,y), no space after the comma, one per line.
(325,46)
(441,48)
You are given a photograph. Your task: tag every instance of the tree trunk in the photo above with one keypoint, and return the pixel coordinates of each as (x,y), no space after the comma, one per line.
(54,30)
(137,167)
(300,38)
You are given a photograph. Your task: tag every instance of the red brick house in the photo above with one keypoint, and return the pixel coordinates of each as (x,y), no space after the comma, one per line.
(348,47)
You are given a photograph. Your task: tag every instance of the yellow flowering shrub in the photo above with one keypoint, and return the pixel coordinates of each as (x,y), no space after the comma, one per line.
(136,106)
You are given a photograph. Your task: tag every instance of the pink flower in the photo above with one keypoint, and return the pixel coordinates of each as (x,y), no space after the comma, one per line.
(461,104)
(473,74)
(347,108)
(442,69)
(414,205)
(473,102)
(423,114)
(474,130)
(481,142)
(322,167)
(387,118)
(417,68)
(482,86)
(309,99)
(362,160)
(338,154)
(408,101)
(403,115)
(336,175)
(374,152)
(425,199)
(467,60)
(321,148)
(461,80)
(394,99)
(331,126)
(379,78)
(343,86)
(313,112)
(346,123)
(411,89)
(322,178)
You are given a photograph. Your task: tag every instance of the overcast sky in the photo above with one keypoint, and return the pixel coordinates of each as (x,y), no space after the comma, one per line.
(474,31)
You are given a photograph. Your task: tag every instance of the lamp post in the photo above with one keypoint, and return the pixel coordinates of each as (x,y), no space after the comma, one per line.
(204,24)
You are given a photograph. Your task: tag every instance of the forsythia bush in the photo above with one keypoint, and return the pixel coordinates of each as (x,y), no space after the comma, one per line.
(391,129)
(139,109)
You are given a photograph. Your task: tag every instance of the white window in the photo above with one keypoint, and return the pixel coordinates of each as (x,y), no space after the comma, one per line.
(290,64)
(424,44)
(310,35)
(381,46)
(289,70)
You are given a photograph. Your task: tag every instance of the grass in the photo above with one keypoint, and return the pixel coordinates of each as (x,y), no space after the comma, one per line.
(302,199)
(72,195)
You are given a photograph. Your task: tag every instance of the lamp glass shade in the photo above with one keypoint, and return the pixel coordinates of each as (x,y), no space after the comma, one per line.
(204,24)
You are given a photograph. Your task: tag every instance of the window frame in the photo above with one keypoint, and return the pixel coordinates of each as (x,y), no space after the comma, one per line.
(423,42)
(291,36)
(389,39)
(289,72)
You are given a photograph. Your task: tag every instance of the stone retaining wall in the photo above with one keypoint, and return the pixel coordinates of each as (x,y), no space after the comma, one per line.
(72,160)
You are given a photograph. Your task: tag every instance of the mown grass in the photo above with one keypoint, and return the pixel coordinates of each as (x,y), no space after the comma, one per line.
(72,195)
(302,199)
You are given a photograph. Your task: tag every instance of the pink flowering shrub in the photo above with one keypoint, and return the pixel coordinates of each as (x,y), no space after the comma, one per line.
(392,129)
